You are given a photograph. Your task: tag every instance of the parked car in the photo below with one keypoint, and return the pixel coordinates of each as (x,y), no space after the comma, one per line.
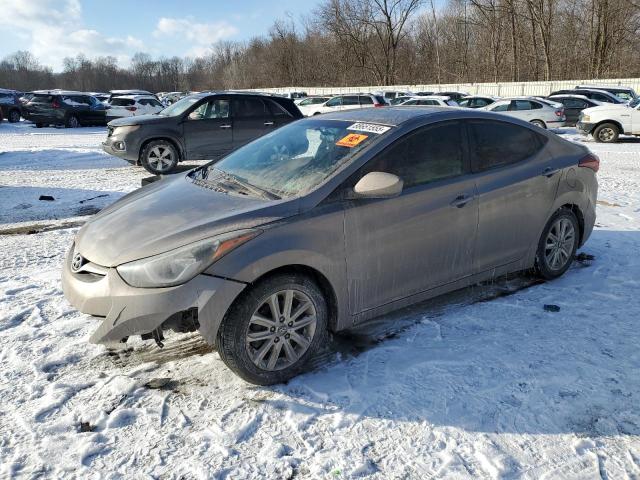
(132,106)
(122,93)
(389,95)
(599,95)
(68,108)
(573,105)
(529,109)
(455,96)
(431,100)
(294,95)
(203,126)
(307,105)
(102,97)
(625,94)
(607,122)
(423,94)
(477,101)
(348,102)
(321,225)
(10,104)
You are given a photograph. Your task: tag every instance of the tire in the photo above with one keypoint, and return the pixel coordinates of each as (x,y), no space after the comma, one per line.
(14,116)
(539,123)
(565,250)
(606,133)
(159,157)
(39,125)
(317,113)
(274,339)
(72,122)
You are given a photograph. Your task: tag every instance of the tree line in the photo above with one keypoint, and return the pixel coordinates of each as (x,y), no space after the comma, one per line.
(381,42)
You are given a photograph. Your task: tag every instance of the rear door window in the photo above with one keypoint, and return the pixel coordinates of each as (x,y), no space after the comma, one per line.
(248,107)
(276,109)
(350,100)
(495,144)
(520,105)
(502,107)
(122,102)
(364,100)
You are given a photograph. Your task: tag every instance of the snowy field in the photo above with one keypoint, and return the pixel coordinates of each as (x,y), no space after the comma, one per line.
(483,383)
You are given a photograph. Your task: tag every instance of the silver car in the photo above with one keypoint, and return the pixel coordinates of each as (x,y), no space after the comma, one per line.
(329,222)
(540,112)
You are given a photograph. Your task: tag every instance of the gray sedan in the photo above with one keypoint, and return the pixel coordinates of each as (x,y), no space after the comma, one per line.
(329,222)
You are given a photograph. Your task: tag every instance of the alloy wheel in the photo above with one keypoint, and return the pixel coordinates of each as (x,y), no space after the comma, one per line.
(160,158)
(281,330)
(559,244)
(606,134)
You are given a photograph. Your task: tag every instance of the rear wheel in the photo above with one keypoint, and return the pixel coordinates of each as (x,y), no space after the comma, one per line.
(606,133)
(539,123)
(14,116)
(270,334)
(557,245)
(159,157)
(72,122)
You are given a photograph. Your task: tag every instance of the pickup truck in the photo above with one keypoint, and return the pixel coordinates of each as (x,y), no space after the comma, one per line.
(607,122)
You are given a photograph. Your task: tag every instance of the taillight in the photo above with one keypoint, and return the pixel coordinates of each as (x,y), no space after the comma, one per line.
(131,109)
(590,161)
(559,113)
(378,105)
(55,104)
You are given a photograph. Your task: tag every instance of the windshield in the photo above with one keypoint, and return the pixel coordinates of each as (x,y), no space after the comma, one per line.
(635,102)
(179,107)
(296,158)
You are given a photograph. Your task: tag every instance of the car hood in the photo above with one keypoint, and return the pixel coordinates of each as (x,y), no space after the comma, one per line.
(168,214)
(139,120)
(610,107)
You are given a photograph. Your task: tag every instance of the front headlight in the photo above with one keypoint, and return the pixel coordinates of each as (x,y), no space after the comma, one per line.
(585,118)
(126,129)
(182,264)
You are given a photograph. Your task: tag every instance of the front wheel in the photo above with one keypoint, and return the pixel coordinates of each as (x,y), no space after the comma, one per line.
(606,133)
(274,329)
(14,116)
(159,157)
(557,245)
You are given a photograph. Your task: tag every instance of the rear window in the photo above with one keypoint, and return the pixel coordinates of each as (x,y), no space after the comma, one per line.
(122,102)
(42,98)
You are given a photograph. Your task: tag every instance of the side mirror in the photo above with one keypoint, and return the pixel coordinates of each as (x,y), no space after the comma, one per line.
(378,185)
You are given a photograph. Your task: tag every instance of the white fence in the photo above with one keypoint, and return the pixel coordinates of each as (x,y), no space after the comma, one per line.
(501,89)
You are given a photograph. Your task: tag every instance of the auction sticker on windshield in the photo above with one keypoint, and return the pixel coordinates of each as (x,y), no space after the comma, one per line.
(351,140)
(369,127)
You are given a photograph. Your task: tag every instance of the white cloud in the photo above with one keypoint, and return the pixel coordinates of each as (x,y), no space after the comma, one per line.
(201,35)
(53,30)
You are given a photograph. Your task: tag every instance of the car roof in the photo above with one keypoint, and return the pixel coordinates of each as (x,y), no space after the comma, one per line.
(599,87)
(392,116)
(137,97)
(430,97)
(571,95)
(482,96)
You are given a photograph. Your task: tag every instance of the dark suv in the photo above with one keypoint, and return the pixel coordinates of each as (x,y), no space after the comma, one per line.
(10,105)
(205,126)
(58,107)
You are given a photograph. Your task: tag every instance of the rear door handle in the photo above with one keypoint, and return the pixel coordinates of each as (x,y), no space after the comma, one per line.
(268,124)
(461,200)
(225,126)
(550,171)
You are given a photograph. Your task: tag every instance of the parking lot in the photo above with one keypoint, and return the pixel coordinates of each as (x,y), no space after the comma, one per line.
(512,379)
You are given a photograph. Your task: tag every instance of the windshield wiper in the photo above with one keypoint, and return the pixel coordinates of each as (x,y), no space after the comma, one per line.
(247,186)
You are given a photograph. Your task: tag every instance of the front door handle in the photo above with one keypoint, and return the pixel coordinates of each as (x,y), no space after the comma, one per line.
(461,200)
(268,124)
(225,126)
(550,171)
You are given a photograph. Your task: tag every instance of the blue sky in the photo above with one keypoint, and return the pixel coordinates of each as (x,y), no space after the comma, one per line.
(53,29)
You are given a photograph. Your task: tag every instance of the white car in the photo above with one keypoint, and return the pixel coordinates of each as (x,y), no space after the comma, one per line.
(307,105)
(132,106)
(541,112)
(607,122)
(348,102)
(433,100)
(477,101)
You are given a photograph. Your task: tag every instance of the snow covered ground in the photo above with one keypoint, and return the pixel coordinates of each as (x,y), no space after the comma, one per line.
(483,383)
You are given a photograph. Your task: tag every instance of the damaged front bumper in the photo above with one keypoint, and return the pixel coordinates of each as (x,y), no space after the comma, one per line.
(126,311)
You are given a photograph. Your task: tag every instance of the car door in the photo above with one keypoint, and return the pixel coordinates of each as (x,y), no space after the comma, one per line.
(398,247)
(516,183)
(521,109)
(635,119)
(208,129)
(251,119)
